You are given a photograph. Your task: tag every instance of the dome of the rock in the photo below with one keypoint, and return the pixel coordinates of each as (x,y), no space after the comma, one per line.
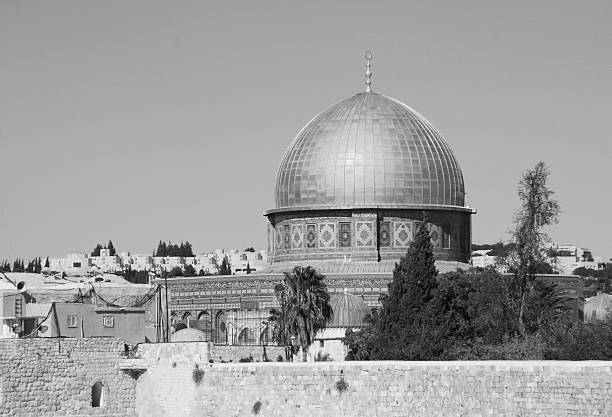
(357,180)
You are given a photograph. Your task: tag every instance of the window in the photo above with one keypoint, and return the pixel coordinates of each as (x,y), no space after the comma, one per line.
(446,240)
(108,321)
(321,343)
(72,321)
(76,264)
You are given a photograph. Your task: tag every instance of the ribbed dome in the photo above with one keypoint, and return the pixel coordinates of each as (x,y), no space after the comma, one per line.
(369,150)
(349,311)
(598,308)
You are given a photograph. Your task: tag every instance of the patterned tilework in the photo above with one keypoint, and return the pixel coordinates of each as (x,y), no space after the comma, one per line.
(270,239)
(311,236)
(345,235)
(385,234)
(402,231)
(327,235)
(278,232)
(435,232)
(364,233)
(297,236)
(286,237)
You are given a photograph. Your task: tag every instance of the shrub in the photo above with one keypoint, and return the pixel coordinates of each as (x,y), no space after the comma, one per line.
(341,385)
(197,375)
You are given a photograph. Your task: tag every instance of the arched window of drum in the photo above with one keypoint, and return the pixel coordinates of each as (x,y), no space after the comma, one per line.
(97,394)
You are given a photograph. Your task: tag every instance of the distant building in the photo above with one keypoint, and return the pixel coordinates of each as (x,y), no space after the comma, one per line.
(569,258)
(72,264)
(107,262)
(482,259)
(142,262)
(11,301)
(87,320)
(38,305)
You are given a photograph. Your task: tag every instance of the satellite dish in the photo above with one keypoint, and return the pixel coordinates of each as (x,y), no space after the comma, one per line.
(21,286)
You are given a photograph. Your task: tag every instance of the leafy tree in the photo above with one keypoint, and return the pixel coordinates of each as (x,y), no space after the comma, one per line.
(111,248)
(281,332)
(32,265)
(537,211)
(135,277)
(18,265)
(575,340)
(305,306)
(190,271)
(184,249)
(225,268)
(496,249)
(5,266)
(161,249)
(188,250)
(177,271)
(360,343)
(96,251)
(585,272)
(250,249)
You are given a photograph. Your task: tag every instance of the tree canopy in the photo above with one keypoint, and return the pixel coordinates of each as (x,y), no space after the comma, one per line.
(538,210)
(225,268)
(184,249)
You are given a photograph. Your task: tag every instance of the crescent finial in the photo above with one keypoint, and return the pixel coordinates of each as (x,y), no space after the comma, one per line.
(368,73)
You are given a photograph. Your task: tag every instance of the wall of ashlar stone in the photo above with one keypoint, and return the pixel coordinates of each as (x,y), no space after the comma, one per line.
(378,389)
(54,377)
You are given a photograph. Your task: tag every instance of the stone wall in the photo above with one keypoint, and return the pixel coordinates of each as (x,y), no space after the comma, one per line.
(54,377)
(378,389)
(235,353)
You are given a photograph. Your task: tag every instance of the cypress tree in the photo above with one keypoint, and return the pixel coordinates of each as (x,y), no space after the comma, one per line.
(111,248)
(226,268)
(96,251)
(403,323)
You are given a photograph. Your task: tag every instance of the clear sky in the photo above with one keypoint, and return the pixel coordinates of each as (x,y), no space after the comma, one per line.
(145,120)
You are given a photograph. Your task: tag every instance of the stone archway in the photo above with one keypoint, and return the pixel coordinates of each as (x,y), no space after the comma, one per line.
(245,336)
(97,394)
(221,328)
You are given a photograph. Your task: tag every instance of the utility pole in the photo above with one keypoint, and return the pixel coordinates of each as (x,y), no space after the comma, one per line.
(167,314)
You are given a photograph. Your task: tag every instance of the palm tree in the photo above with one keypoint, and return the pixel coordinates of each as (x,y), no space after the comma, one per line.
(304,308)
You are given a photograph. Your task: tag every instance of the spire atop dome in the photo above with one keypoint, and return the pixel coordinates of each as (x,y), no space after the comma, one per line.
(368,73)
